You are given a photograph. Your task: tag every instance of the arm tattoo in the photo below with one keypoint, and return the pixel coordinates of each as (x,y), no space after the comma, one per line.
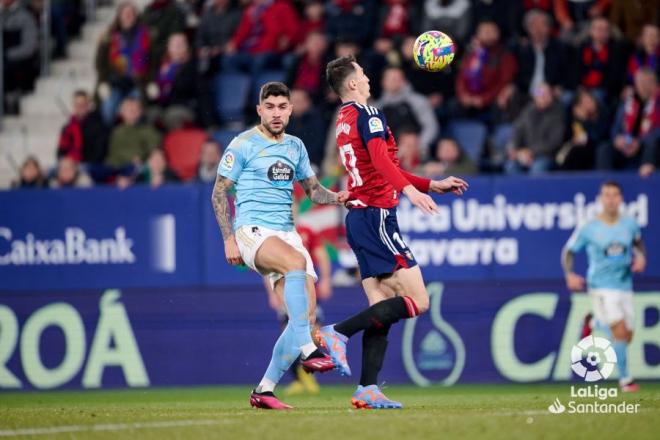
(221,205)
(567,261)
(639,248)
(318,193)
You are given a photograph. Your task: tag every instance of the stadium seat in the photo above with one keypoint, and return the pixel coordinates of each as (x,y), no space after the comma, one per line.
(470,135)
(263,78)
(182,150)
(224,137)
(232,91)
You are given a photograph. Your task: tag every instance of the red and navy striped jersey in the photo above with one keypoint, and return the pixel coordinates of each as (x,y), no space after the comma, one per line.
(356,125)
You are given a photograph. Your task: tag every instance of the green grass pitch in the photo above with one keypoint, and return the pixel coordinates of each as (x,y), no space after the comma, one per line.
(467,412)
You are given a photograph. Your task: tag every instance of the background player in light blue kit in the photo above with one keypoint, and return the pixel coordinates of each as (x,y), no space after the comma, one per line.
(263,163)
(615,250)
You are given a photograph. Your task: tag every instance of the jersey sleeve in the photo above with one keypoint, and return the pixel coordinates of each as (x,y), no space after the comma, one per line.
(636,230)
(371,124)
(578,240)
(304,168)
(232,162)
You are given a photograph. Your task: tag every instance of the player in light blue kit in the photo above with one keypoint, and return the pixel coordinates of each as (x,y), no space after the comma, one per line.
(614,251)
(263,162)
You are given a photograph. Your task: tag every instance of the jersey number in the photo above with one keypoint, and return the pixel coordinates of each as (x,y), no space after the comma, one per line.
(349,160)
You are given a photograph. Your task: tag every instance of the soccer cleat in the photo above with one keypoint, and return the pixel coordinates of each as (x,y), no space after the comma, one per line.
(267,400)
(318,364)
(630,387)
(371,397)
(308,381)
(335,344)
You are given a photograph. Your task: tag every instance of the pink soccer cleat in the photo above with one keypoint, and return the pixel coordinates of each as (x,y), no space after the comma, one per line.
(267,400)
(630,387)
(318,364)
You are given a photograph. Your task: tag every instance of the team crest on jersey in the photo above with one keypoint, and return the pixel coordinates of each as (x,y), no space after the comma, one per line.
(375,125)
(228,161)
(280,174)
(291,152)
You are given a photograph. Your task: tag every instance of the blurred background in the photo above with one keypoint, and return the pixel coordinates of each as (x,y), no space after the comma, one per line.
(114,116)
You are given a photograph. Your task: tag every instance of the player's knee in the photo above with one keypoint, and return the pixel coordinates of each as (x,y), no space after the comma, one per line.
(422,303)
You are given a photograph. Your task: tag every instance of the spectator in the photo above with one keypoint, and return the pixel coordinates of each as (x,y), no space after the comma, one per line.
(630,16)
(313,18)
(352,20)
(308,70)
(409,152)
(453,17)
(449,159)
(537,134)
(397,19)
(163,18)
(574,15)
(601,63)
(307,123)
(131,142)
(636,129)
(31,175)
(215,30)
(156,173)
(69,175)
(85,137)
(404,108)
(19,39)
(173,90)
(268,29)
(647,53)
(587,129)
(122,60)
(541,58)
(208,161)
(485,71)
(506,14)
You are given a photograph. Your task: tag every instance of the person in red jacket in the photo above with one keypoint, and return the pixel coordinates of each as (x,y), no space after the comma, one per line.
(485,72)
(267,30)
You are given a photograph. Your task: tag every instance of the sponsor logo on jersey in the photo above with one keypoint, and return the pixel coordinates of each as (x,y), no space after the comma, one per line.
(228,161)
(342,128)
(375,125)
(280,174)
(615,250)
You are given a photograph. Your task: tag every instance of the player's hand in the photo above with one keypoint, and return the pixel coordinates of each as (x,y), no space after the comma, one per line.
(343,196)
(232,253)
(421,200)
(574,282)
(451,184)
(638,264)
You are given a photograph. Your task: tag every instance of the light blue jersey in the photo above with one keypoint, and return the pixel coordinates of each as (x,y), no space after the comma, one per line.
(263,171)
(609,252)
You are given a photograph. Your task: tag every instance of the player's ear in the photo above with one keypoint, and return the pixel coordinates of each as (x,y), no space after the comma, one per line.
(259,109)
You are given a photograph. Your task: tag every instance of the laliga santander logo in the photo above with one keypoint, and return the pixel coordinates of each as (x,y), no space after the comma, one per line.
(593,359)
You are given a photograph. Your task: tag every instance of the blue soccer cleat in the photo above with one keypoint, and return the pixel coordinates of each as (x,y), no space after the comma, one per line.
(335,344)
(371,397)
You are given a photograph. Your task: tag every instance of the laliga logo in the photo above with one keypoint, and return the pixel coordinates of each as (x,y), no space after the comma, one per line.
(593,359)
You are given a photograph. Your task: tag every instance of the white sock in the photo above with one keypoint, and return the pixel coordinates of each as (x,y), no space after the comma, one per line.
(265,385)
(307,349)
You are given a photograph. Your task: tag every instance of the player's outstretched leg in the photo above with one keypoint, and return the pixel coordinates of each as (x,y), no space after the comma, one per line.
(285,352)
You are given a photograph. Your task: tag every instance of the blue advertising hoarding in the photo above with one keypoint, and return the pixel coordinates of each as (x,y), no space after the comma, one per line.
(473,333)
(502,229)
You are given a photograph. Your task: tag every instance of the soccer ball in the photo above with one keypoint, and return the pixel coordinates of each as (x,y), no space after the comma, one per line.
(433,51)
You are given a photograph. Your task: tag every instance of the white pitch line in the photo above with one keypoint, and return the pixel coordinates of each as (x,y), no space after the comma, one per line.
(105,427)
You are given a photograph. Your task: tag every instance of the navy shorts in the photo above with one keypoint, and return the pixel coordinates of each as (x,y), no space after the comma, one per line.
(374,236)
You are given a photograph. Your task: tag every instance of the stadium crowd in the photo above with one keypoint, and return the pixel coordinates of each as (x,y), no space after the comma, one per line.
(537,85)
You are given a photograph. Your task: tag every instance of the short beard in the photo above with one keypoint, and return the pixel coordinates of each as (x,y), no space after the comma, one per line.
(270,130)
